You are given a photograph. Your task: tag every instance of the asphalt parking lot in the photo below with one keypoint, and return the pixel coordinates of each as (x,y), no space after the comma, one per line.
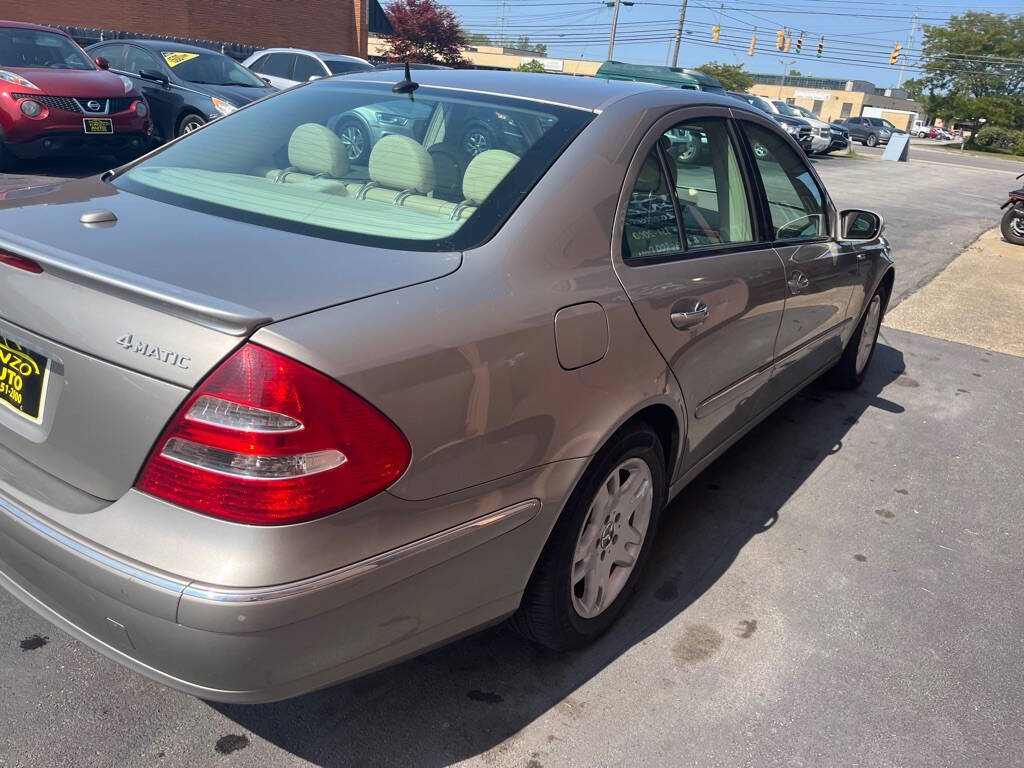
(840,588)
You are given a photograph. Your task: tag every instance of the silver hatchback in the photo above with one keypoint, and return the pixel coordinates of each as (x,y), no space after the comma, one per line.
(271,420)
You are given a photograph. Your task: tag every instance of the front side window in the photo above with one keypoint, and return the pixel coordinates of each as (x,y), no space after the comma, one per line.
(209,69)
(38,49)
(795,202)
(283,163)
(114,54)
(277,65)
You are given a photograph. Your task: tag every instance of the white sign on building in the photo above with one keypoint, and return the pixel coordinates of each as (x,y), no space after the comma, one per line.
(550,65)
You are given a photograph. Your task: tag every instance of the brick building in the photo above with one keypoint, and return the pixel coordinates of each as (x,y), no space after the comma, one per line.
(337,26)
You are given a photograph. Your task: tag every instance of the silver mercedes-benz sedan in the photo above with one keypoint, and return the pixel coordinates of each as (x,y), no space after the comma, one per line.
(271,421)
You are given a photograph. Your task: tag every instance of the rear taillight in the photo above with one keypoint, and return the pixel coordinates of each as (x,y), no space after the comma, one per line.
(269,441)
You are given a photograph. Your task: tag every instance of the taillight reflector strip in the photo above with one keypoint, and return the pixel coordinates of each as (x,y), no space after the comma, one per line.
(20,262)
(267,440)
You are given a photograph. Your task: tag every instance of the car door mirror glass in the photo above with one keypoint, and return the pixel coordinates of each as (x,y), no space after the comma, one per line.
(102,63)
(861,225)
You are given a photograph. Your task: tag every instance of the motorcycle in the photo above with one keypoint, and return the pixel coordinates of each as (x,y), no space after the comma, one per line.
(1012,225)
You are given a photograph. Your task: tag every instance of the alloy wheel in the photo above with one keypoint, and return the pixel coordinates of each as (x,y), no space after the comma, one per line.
(354,139)
(191,124)
(868,332)
(476,142)
(611,537)
(1017,225)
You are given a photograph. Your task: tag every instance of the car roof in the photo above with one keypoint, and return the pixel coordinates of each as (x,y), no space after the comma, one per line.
(589,93)
(321,54)
(166,45)
(27,25)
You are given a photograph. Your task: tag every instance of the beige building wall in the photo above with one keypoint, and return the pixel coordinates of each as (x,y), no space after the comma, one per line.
(835,105)
(495,57)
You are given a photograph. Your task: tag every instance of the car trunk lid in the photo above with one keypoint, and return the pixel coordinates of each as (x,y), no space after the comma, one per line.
(131,311)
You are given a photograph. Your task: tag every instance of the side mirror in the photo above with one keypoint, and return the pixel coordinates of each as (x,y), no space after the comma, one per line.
(860,225)
(102,63)
(314,77)
(156,77)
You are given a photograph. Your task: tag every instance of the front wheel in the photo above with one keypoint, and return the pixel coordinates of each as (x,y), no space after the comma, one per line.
(1012,225)
(356,140)
(190,122)
(871,140)
(477,139)
(849,372)
(592,561)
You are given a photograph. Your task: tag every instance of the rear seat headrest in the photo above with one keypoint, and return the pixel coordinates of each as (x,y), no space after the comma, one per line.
(398,162)
(649,179)
(485,172)
(316,149)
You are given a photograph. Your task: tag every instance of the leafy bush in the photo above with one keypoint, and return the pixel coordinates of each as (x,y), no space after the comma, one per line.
(1018,148)
(993,137)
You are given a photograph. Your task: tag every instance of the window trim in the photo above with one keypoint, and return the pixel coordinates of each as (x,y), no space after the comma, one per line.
(650,141)
(828,209)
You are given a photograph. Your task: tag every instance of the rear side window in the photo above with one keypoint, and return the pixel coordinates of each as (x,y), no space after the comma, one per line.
(357,162)
(795,202)
(277,65)
(651,227)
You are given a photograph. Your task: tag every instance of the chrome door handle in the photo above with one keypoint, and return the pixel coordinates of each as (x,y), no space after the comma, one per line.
(684,320)
(798,282)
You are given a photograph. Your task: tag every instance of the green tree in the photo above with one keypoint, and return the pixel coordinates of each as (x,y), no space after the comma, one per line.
(794,73)
(424,31)
(478,38)
(530,66)
(731,76)
(972,67)
(523,43)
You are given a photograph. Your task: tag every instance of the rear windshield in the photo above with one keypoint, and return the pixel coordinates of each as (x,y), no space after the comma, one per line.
(341,66)
(36,48)
(356,162)
(210,69)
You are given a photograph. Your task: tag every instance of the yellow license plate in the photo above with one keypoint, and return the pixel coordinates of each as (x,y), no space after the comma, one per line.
(98,124)
(23,376)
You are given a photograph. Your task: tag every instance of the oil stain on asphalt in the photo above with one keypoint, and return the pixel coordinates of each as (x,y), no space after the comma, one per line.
(32,642)
(747,628)
(231,743)
(699,643)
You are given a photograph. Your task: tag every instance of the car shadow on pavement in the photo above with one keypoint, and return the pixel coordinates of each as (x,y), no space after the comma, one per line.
(471,696)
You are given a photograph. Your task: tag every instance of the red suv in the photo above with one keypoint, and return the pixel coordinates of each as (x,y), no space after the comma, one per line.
(56,101)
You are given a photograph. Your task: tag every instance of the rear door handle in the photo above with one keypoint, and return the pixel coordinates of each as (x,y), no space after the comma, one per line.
(684,320)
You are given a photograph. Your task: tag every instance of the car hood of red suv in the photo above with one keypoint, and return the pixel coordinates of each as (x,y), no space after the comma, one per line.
(68,82)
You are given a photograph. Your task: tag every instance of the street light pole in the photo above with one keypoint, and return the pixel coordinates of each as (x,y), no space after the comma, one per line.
(910,45)
(785,65)
(679,34)
(615,22)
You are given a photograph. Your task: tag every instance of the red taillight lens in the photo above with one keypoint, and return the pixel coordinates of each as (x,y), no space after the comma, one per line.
(267,440)
(20,262)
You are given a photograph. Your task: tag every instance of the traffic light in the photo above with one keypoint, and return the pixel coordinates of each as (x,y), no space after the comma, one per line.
(894,57)
(821,46)
(715,31)
(781,42)
(800,42)
(789,42)
(753,45)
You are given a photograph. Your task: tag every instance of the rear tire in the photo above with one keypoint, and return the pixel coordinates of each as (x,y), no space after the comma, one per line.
(582,581)
(853,366)
(1012,225)
(871,140)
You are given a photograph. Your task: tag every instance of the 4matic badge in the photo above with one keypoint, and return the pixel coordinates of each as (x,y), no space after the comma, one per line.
(144,348)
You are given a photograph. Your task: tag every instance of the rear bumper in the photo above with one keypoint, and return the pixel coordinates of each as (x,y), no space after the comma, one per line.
(267,643)
(79,144)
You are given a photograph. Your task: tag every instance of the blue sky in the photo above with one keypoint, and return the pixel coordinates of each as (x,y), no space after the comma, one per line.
(858,35)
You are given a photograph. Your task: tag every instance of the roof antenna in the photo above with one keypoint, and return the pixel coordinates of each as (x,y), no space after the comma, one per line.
(407,85)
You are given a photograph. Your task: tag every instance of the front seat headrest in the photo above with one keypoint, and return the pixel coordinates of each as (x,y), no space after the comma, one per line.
(316,149)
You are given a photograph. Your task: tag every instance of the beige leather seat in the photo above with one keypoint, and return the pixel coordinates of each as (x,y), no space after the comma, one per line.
(483,174)
(317,158)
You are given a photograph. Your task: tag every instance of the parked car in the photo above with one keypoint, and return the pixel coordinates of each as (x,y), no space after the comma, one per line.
(796,127)
(673,77)
(285,67)
(331,422)
(482,129)
(56,101)
(185,86)
(939,133)
(840,138)
(821,133)
(871,131)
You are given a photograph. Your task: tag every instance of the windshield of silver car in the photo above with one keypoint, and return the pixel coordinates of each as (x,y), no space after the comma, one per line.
(438,169)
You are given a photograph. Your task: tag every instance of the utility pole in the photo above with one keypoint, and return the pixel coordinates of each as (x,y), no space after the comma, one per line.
(615,22)
(785,65)
(910,45)
(679,34)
